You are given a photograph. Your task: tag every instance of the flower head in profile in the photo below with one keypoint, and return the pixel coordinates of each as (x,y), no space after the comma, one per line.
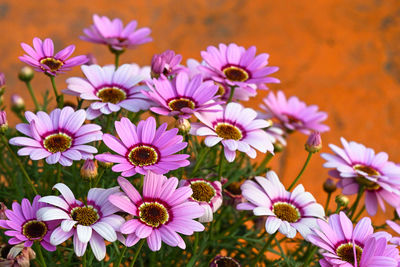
(144,148)
(293,114)
(356,165)
(114,34)
(88,223)
(236,66)
(183,96)
(25,227)
(208,194)
(110,89)
(42,57)
(286,211)
(236,128)
(160,213)
(59,137)
(345,246)
(166,63)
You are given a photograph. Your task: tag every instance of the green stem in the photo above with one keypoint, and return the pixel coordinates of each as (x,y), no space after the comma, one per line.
(99,177)
(310,253)
(262,251)
(196,242)
(231,94)
(265,161)
(59,98)
(328,199)
(21,166)
(221,163)
(118,263)
(353,208)
(359,213)
(84,261)
(29,86)
(301,172)
(202,156)
(58,173)
(117,60)
(140,245)
(38,249)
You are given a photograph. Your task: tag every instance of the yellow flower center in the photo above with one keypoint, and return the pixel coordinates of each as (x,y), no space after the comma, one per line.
(153,213)
(346,253)
(111,95)
(179,103)
(34,230)
(286,212)
(143,155)
(203,191)
(85,215)
(236,74)
(52,63)
(228,131)
(369,185)
(57,142)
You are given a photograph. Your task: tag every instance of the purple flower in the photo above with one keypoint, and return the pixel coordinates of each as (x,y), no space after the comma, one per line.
(88,223)
(114,34)
(182,97)
(144,148)
(208,194)
(344,246)
(58,137)
(235,66)
(2,80)
(3,122)
(24,226)
(293,114)
(236,128)
(42,57)
(286,211)
(110,89)
(356,165)
(160,214)
(166,63)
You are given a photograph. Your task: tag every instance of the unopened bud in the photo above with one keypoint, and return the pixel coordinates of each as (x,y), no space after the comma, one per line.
(17,102)
(3,209)
(164,63)
(26,74)
(89,170)
(3,122)
(183,126)
(342,200)
(278,147)
(314,142)
(105,165)
(329,186)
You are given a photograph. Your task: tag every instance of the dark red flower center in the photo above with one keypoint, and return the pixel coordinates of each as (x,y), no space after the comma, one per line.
(85,215)
(52,63)
(346,253)
(236,74)
(286,212)
(34,230)
(57,142)
(143,155)
(111,95)
(153,213)
(180,103)
(202,191)
(228,131)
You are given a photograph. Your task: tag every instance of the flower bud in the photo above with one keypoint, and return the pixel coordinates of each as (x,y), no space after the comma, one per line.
(17,102)
(26,74)
(105,165)
(183,126)
(3,209)
(165,63)
(2,81)
(89,170)
(3,122)
(314,142)
(342,200)
(329,186)
(220,261)
(278,147)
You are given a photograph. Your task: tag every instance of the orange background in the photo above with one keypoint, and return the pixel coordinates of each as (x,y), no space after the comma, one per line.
(341,55)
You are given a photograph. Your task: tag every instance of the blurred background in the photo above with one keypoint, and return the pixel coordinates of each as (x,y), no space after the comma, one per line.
(342,55)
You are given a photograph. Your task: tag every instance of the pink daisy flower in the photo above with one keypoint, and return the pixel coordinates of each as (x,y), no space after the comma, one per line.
(162,212)
(181,96)
(286,211)
(24,226)
(109,89)
(114,34)
(235,66)
(224,89)
(58,137)
(236,128)
(144,148)
(356,165)
(88,223)
(166,63)
(293,114)
(344,246)
(396,228)
(42,57)
(208,194)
